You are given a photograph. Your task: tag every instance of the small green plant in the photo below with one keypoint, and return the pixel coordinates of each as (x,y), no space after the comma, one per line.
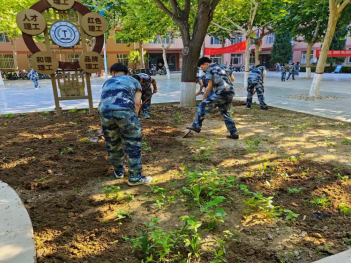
(177,118)
(43,179)
(326,246)
(291,215)
(83,111)
(263,206)
(146,147)
(345,177)
(9,116)
(75,189)
(74,110)
(113,191)
(194,245)
(85,140)
(46,112)
(344,209)
(324,202)
(162,199)
(215,217)
(346,142)
(244,189)
(299,128)
(294,190)
(143,242)
(121,214)
(67,150)
(252,144)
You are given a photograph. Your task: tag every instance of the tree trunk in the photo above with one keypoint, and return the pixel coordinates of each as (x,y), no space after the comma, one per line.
(247,60)
(223,45)
(14,53)
(317,80)
(257,53)
(308,60)
(141,51)
(164,55)
(202,53)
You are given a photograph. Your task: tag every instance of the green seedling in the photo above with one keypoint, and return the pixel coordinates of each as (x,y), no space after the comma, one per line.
(244,189)
(338,168)
(263,206)
(345,177)
(67,150)
(291,215)
(346,142)
(162,200)
(344,209)
(299,128)
(113,191)
(83,111)
(46,112)
(177,118)
(75,189)
(43,179)
(144,242)
(9,116)
(121,214)
(85,140)
(146,147)
(194,245)
(324,202)
(74,110)
(326,246)
(294,190)
(90,131)
(214,218)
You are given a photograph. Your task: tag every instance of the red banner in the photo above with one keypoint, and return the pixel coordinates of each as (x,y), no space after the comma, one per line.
(336,53)
(225,50)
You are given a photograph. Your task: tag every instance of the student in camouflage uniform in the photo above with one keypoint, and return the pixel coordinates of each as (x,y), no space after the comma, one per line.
(120,102)
(291,71)
(219,79)
(146,82)
(283,72)
(255,84)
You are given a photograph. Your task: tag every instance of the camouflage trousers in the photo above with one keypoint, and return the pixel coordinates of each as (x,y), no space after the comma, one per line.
(35,82)
(122,131)
(222,100)
(252,86)
(146,107)
(291,74)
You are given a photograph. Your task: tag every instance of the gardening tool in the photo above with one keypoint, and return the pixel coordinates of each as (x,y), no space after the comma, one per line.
(145,101)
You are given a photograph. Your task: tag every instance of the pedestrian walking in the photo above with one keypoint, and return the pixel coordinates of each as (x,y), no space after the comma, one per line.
(277,67)
(120,102)
(297,69)
(291,71)
(283,72)
(33,76)
(220,79)
(255,84)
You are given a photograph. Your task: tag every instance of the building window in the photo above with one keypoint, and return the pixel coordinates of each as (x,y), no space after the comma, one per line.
(237,38)
(236,59)
(304,57)
(165,40)
(123,59)
(4,38)
(6,61)
(216,59)
(73,57)
(215,41)
(252,58)
(270,38)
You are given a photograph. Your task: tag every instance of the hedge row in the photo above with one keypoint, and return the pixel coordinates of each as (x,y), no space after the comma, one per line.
(328,69)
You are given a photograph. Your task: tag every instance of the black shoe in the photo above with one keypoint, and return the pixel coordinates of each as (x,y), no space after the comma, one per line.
(234,136)
(264,108)
(197,130)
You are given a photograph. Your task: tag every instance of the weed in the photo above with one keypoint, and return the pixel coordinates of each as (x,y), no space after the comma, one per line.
(112,190)
(294,190)
(177,118)
(85,140)
(146,147)
(43,179)
(263,206)
(214,218)
(90,131)
(344,209)
(144,242)
(244,189)
(9,116)
(83,112)
(162,200)
(121,214)
(75,189)
(292,158)
(291,215)
(67,150)
(324,202)
(74,110)
(300,128)
(194,245)
(346,142)
(345,177)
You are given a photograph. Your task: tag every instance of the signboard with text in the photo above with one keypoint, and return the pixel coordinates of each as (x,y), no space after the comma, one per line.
(336,53)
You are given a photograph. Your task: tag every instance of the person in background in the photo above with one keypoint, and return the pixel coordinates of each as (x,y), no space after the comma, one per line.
(283,72)
(33,76)
(120,102)
(291,71)
(255,84)
(297,69)
(146,82)
(277,67)
(219,78)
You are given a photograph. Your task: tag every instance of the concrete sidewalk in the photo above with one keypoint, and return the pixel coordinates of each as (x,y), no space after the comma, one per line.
(16,232)
(343,257)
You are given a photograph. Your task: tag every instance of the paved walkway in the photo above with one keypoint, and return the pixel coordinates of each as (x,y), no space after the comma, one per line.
(20,96)
(16,232)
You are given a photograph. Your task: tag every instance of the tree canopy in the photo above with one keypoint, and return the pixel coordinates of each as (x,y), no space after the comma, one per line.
(282,48)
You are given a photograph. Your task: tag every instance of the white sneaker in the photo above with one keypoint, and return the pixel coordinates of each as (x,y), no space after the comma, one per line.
(143,180)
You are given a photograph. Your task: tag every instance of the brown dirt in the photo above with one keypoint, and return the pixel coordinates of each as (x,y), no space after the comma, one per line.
(60,179)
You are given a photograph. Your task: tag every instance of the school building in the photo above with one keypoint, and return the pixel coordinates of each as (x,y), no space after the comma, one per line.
(118,52)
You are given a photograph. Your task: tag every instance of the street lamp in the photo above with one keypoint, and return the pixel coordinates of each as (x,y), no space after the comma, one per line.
(105,59)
